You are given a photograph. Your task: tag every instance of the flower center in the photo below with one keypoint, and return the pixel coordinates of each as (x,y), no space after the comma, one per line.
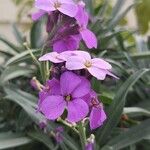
(88,64)
(57,4)
(68,98)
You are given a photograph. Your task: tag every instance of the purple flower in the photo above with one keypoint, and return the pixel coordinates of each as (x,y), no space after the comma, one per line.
(97,67)
(58,134)
(89,146)
(67,7)
(72,89)
(88,36)
(97,114)
(53,57)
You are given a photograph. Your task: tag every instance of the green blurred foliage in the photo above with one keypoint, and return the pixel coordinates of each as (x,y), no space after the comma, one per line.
(143,15)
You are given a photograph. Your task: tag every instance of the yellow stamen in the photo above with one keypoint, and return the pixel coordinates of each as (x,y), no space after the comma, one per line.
(57,4)
(88,64)
(68,98)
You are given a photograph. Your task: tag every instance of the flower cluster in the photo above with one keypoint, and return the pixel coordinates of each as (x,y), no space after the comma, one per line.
(69,93)
(67,23)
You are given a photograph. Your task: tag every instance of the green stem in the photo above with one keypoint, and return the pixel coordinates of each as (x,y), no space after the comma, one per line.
(82,135)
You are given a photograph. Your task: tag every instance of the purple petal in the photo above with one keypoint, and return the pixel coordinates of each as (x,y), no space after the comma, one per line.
(68,9)
(77,110)
(110,74)
(53,57)
(82,89)
(97,117)
(68,82)
(75,63)
(83,54)
(82,17)
(100,63)
(68,43)
(46,5)
(36,16)
(89,38)
(53,87)
(53,107)
(98,73)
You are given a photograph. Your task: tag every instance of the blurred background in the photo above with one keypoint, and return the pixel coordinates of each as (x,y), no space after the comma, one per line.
(122,28)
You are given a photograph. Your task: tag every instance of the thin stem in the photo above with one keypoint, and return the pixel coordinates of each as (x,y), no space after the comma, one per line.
(82,134)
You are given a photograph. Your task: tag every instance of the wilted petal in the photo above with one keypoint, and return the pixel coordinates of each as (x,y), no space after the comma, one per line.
(68,43)
(98,73)
(77,110)
(46,5)
(68,82)
(97,117)
(82,89)
(36,16)
(53,107)
(68,9)
(89,38)
(100,63)
(53,57)
(75,63)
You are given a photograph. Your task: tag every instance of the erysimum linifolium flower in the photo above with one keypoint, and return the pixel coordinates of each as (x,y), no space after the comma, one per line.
(71,19)
(68,88)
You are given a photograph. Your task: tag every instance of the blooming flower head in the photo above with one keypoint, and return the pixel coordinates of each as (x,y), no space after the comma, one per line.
(67,7)
(97,67)
(72,89)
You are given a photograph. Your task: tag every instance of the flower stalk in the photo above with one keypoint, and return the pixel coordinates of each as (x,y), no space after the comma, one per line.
(82,134)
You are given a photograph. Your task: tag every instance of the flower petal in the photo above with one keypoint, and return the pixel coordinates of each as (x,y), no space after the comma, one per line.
(68,43)
(77,110)
(68,9)
(89,38)
(53,107)
(98,73)
(100,63)
(97,117)
(110,74)
(53,57)
(82,89)
(75,63)
(68,82)
(46,5)
(82,17)
(83,54)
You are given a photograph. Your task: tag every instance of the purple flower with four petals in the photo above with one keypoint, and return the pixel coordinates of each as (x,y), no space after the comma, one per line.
(72,89)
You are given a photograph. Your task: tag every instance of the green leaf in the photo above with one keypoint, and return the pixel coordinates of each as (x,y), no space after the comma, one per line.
(9,44)
(21,57)
(14,72)
(115,110)
(41,137)
(35,35)
(18,34)
(114,21)
(116,9)
(129,137)
(25,102)
(11,140)
(136,111)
